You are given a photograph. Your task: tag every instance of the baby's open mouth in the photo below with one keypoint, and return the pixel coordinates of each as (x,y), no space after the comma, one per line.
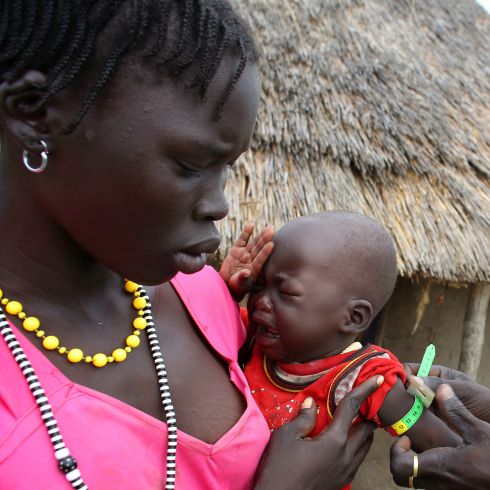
(266,331)
(263,327)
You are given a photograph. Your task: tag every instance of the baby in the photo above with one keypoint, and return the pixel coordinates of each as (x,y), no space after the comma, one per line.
(327,278)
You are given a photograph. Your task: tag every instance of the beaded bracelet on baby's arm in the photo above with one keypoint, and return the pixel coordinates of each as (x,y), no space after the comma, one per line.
(423,396)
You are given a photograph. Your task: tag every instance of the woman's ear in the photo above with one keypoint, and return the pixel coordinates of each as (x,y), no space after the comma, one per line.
(359,318)
(20,114)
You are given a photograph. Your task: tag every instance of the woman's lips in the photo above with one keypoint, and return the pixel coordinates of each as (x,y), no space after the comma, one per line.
(189,263)
(193,258)
(204,246)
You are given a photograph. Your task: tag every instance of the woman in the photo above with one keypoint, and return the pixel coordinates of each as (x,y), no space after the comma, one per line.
(119,122)
(465,467)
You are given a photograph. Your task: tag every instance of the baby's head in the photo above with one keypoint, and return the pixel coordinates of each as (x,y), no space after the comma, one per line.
(328,277)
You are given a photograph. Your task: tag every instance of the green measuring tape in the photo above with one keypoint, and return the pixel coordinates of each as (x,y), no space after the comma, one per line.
(427,360)
(407,422)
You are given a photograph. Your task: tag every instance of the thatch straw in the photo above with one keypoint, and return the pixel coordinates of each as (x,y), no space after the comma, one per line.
(380,107)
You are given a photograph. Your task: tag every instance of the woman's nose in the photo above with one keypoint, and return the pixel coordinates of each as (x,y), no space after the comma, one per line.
(213,205)
(212,209)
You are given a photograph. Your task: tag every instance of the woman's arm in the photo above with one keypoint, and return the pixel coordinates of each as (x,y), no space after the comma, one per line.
(428,432)
(465,467)
(328,461)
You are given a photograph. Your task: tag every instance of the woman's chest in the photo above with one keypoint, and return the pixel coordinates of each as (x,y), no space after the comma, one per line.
(206,402)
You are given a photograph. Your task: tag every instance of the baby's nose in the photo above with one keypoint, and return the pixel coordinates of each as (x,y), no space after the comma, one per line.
(263,303)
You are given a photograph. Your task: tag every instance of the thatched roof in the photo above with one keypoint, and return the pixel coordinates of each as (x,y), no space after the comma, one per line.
(378,106)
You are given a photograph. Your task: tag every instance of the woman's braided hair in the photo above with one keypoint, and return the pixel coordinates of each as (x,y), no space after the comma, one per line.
(59,37)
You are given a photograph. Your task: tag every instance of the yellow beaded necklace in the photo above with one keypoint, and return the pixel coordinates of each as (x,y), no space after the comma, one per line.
(51,342)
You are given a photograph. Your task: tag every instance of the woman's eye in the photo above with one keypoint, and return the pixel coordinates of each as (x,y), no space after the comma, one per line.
(192,173)
(187,170)
(288,292)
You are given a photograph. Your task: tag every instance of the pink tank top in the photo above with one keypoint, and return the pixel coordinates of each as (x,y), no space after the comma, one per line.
(116,445)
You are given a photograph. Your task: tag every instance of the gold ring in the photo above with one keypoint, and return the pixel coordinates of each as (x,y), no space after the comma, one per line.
(415,466)
(410,482)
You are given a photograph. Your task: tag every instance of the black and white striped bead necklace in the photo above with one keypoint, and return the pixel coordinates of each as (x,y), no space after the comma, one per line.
(66,462)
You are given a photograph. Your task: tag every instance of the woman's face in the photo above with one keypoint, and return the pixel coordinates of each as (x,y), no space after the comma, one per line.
(140,182)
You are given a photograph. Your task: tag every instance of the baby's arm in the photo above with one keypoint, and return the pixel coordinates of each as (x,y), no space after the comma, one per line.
(428,432)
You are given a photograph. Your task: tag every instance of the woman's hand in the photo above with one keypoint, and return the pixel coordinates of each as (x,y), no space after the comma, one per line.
(475,397)
(328,461)
(462,468)
(243,264)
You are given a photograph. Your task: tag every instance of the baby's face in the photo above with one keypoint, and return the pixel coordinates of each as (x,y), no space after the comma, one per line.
(298,304)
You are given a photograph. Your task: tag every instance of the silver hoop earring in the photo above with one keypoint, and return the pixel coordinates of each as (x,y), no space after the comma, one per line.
(44,159)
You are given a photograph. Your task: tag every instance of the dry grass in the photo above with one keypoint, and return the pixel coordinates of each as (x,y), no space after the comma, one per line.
(381,107)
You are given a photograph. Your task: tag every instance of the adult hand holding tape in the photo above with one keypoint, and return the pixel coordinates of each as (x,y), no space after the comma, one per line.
(475,397)
(462,468)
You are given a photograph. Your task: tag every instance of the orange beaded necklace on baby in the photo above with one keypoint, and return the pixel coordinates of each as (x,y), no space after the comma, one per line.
(74,355)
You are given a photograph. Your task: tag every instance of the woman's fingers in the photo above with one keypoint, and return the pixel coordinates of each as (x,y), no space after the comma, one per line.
(443,372)
(444,468)
(304,422)
(356,438)
(401,461)
(448,374)
(348,408)
(359,455)
(458,417)
(411,368)
(433,382)
(359,434)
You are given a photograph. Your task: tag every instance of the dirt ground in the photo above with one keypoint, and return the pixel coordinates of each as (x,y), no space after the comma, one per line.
(442,325)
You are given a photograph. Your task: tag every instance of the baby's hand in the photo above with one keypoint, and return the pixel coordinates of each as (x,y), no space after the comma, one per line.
(243,264)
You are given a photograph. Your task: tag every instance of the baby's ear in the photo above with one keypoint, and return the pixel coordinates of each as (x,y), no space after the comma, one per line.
(359,318)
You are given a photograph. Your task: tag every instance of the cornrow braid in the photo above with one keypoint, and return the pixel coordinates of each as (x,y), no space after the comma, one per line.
(20,17)
(185,29)
(4,23)
(104,76)
(210,41)
(62,31)
(84,53)
(163,8)
(38,37)
(222,47)
(143,22)
(233,81)
(186,61)
(70,51)
(64,38)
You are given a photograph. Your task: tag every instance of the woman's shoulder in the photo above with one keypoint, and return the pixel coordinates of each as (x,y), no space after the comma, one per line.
(207,299)
(203,287)
(206,275)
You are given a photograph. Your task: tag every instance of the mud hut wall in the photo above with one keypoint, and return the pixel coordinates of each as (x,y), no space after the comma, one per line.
(442,325)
